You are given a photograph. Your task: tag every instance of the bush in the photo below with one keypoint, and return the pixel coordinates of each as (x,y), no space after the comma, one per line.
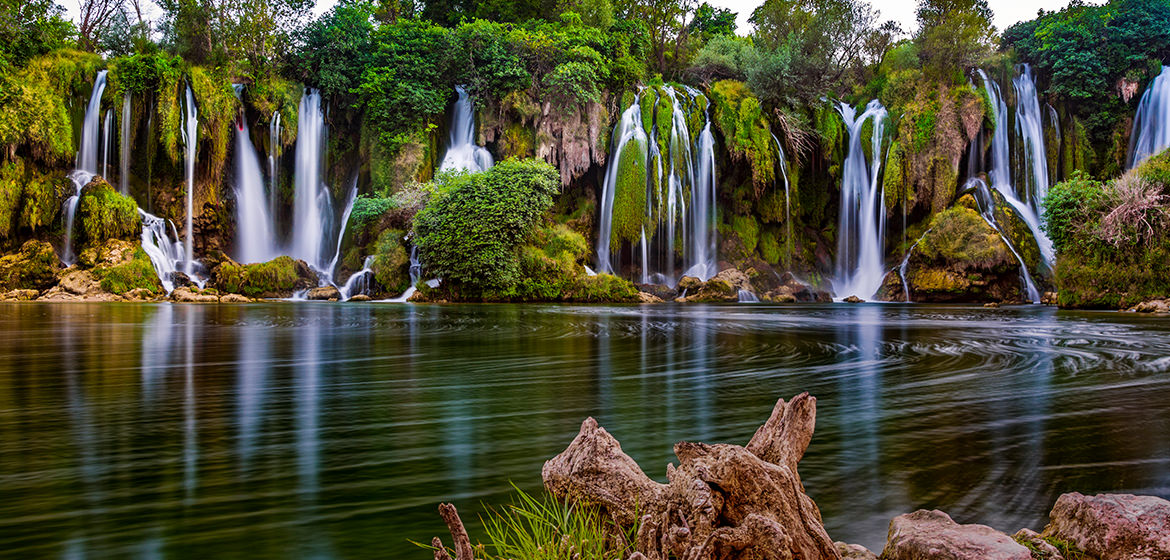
(1070,208)
(469,232)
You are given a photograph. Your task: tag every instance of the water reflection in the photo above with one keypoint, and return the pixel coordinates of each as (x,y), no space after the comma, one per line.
(327,431)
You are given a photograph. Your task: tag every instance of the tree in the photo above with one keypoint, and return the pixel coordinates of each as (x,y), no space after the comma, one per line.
(334,50)
(710,21)
(667,22)
(29,28)
(953,36)
(253,32)
(95,18)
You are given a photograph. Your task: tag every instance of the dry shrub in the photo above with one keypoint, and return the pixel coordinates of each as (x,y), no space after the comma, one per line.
(1137,210)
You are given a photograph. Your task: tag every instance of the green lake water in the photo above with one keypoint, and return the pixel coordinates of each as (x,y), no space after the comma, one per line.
(333,430)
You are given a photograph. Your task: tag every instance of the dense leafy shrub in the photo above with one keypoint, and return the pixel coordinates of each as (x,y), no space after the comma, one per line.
(1071,210)
(469,232)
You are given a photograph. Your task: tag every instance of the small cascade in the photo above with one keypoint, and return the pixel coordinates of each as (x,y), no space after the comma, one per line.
(678,174)
(415,275)
(788,243)
(746,296)
(124,148)
(330,270)
(1151,122)
(311,196)
(627,134)
(861,234)
(166,254)
(905,264)
(1000,173)
(86,160)
(1030,132)
(462,152)
(987,210)
(255,239)
(105,168)
(191,143)
(359,282)
(274,167)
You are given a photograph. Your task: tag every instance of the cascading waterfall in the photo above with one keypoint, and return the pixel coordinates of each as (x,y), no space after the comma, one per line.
(104,169)
(255,239)
(86,160)
(1151,122)
(274,147)
(415,274)
(166,254)
(1000,173)
(331,269)
(359,282)
(311,196)
(788,243)
(462,152)
(987,210)
(1030,131)
(124,148)
(191,143)
(861,233)
(680,192)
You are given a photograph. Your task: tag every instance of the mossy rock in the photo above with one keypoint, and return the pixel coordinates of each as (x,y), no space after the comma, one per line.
(34,267)
(715,290)
(30,199)
(629,202)
(391,264)
(959,236)
(279,278)
(135,273)
(739,116)
(37,102)
(104,214)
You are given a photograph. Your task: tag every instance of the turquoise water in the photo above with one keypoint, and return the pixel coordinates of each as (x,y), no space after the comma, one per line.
(333,431)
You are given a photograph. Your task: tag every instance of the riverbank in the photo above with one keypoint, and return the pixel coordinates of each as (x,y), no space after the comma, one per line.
(726,502)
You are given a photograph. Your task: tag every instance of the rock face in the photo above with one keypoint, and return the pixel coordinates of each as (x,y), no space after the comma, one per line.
(933,535)
(722,501)
(78,285)
(34,267)
(1113,526)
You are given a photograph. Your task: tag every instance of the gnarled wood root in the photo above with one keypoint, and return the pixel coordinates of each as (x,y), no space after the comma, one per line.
(722,501)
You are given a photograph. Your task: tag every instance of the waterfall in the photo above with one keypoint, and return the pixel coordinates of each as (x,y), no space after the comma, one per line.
(164,253)
(1151,122)
(191,142)
(746,296)
(1030,131)
(680,192)
(273,167)
(86,160)
(124,147)
(415,274)
(331,269)
(462,152)
(104,169)
(789,242)
(255,240)
(628,128)
(1000,173)
(861,233)
(311,196)
(359,282)
(987,211)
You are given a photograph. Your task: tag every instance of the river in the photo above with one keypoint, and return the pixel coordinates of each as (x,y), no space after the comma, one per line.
(334,430)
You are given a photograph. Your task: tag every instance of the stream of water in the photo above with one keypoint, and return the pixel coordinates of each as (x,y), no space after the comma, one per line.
(333,431)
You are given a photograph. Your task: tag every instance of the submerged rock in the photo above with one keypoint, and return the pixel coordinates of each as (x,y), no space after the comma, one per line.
(359,297)
(934,535)
(1113,526)
(792,290)
(234,298)
(19,295)
(644,297)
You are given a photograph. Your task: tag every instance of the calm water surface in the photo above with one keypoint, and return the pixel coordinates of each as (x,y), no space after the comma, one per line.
(332,431)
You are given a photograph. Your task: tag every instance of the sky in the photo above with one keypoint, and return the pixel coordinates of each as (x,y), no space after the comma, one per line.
(1007,12)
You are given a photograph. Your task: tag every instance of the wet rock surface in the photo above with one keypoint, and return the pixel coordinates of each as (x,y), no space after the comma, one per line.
(934,535)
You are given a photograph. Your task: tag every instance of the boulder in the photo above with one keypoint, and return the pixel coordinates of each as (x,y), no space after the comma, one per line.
(793,290)
(360,297)
(1036,542)
(19,295)
(324,293)
(659,291)
(110,253)
(279,278)
(188,294)
(78,285)
(233,298)
(140,294)
(854,552)
(34,267)
(1049,298)
(934,535)
(1113,526)
(1152,306)
(688,283)
(853,299)
(644,297)
(735,279)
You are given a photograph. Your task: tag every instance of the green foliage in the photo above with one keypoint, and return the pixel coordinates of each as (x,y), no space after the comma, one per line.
(391,264)
(740,117)
(552,269)
(335,50)
(30,29)
(29,199)
(469,231)
(254,34)
(953,35)
(270,94)
(748,231)
(725,56)
(35,102)
(104,214)
(710,21)
(368,210)
(218,108)
(273,278)
(34,267)
(138,272)
(142,73)
(1071,207)
(771,247)
(960,235)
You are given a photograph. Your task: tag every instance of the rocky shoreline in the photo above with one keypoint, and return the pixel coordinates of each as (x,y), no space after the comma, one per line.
(725,501)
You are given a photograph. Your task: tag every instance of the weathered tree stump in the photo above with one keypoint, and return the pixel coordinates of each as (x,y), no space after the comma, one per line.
(722,501)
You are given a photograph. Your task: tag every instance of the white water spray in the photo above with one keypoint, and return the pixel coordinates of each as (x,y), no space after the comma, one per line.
(861,233)
(1151,122)
(86,160)
(462,152)
(255,240)
(165,253)
(311,196)
(191,142)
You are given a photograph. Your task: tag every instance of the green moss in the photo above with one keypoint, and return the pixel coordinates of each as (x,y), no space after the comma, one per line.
(771,248)
(391,264)
(270,94)
(33,267)
(649,97)
(104,214)
(960,235)
(35,112)
(740,118)
(748,231)
(895,183)
(559,240)
(663,121)
(273,278)
(629,203)
(138,272)
(517,140)
(771,208)
(218,108)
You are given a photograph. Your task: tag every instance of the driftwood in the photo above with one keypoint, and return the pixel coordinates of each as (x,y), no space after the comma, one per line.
(722,502)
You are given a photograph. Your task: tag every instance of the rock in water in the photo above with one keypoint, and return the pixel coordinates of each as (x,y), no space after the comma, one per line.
(934,535)
(324,293)
(853,299)
(722,501)
(360,297)
(1113,526)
